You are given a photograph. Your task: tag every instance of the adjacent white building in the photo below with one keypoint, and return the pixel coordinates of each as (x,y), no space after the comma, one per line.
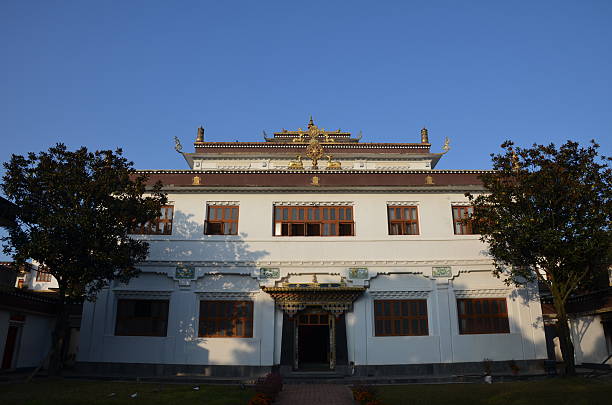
(313,251)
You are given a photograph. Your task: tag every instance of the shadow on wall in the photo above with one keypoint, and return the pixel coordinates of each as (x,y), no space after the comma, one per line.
(189,243)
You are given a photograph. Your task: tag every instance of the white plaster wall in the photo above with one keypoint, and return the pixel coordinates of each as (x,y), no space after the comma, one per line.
(182,344)
(388,258)
(35,340)
(589,339)
(444,343)
(371,242)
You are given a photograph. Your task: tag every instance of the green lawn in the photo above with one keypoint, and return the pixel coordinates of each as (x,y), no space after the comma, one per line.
(558,391)
(70,392)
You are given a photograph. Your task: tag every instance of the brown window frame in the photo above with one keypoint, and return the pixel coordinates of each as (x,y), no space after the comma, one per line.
(219,319)
(402,222)
(314,220)
(460,225)
(226,222)
(154,227)
(122,330)
(43,276)
(398,317)
(479,322)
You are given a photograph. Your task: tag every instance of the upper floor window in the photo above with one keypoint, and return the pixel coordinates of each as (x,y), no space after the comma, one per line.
(403,220)
(161,226)
(461,220)
(226,319)
(313,221)
(483,315)
(42,275)
(141,317)
(400,318)
(221,220)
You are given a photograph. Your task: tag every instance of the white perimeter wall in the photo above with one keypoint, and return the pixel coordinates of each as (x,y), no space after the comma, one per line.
(589,339)
(34,342)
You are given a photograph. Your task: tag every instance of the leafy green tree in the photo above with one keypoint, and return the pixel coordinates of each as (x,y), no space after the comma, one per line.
(74,214)
(546,216)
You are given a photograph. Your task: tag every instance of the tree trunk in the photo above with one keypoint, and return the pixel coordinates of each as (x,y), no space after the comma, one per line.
(565,338)
(59,336)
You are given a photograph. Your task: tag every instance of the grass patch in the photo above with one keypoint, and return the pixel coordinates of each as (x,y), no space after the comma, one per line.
(69,392)
(558,391)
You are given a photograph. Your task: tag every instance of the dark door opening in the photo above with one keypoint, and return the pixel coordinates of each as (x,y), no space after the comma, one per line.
(314,345)
(10,346)
(313,341)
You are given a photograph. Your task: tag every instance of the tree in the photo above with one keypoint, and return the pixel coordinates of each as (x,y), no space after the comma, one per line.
(546,216)
(74,214)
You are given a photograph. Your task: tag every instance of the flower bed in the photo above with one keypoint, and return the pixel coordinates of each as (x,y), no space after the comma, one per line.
(267,389)
(366,395)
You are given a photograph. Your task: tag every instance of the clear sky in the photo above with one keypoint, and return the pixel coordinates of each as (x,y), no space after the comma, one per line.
(134,74)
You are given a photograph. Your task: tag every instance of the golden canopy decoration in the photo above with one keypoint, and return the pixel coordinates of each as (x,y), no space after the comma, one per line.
(336,298)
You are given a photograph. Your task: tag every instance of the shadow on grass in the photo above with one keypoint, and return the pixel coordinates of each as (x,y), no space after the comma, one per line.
(559,391)
(67,392)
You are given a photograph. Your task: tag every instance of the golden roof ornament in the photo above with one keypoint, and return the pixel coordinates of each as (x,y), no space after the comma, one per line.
(296,164)
(446,146)
(424,135)
(177,144)
(314,151)
(332,164)
(200,136)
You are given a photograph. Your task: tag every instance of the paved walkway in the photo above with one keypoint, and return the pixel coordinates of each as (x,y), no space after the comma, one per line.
(315,394)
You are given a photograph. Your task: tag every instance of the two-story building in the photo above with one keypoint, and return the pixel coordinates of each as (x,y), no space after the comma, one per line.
(312,250)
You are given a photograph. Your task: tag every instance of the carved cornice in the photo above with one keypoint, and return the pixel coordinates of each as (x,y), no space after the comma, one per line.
(484,292)
(399,294)
(327,263)
(344,172)
(142,293)
(227,295)
(403,202)
(313,203)
(222,202)
(336,300)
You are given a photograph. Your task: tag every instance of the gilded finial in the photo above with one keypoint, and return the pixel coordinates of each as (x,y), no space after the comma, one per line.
(310,123)
(424,135)
(177,145)
(446,146)
(200,137)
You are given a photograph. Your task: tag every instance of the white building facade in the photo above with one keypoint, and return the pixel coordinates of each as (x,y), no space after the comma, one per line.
(312,251)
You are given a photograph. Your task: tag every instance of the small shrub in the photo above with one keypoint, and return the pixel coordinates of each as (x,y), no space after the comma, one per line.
(487,364)
(513,366)
(268,388)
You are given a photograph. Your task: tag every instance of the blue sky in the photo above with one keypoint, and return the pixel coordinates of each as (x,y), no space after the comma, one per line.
(135,74)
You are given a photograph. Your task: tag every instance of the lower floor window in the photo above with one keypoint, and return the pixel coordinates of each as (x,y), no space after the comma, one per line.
(400,318)
(142,317)
(483,315)
(226,319)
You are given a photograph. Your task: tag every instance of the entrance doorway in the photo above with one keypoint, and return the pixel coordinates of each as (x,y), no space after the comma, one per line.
(13,338)
(313,338)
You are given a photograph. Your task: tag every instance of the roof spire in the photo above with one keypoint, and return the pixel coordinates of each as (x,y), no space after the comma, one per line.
(424,135)
(200,137)
(310,123)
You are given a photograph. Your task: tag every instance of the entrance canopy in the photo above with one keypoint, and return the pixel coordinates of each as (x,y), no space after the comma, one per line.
(336,298)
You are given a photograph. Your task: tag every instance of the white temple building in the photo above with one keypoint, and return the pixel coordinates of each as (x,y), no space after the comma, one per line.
(312,251)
